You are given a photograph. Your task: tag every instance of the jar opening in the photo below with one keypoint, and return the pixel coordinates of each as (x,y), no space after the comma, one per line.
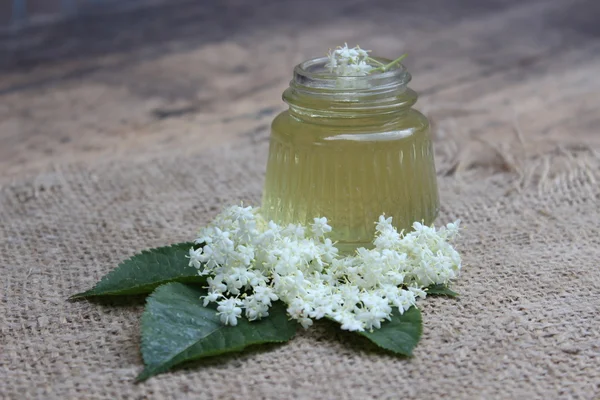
(317,95)
(313,76)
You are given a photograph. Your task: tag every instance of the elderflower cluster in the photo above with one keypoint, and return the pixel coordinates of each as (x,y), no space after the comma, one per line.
(250,263)
(344,61)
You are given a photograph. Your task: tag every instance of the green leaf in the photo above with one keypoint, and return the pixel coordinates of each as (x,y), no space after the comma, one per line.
(440,290)
(176,328)
(143,272)
(401,334)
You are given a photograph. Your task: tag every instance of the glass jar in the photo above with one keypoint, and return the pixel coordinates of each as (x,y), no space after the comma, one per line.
(350,149)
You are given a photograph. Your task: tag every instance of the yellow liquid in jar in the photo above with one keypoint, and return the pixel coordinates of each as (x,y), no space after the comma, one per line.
(351,174)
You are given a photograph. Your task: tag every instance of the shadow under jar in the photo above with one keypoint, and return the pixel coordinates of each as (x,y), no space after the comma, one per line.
(350,149)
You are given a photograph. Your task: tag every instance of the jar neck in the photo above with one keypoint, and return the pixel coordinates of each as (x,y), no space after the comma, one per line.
(317,96)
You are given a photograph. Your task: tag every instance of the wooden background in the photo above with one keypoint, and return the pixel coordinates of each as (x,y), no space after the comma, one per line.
(188,75)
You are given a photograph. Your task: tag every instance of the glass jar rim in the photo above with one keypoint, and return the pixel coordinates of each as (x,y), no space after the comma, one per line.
(313,75)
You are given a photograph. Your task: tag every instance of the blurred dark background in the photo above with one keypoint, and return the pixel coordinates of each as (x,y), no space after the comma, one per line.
(40,30)
(94,79)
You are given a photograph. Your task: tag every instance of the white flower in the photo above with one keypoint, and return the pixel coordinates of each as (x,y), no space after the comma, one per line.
(345,61)
(305,322)
(388,239)
(297,308)
(383,223)
(229,310)
(221,238)
(216,284)
(204,235)
(350,322)
(418,292)
(241,213)
(244,255)
(251,263)
(238,277)
(329,251)
(195,256)
(405,300)
(256,279)
(294,231)
(320,227)
(264,294)
(361,68)
(453,228)
(255,309)
(211,258)
(211,297)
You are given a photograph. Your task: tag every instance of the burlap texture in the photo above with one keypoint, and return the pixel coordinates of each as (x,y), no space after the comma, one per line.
(526,324)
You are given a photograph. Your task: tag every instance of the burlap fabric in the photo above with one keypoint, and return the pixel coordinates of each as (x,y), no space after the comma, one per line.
(526,324)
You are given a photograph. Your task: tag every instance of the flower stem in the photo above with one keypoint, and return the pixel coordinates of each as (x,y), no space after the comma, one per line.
(386,67)
(377,62)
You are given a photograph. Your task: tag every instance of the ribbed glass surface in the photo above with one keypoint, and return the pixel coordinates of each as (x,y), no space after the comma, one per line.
(351,175)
